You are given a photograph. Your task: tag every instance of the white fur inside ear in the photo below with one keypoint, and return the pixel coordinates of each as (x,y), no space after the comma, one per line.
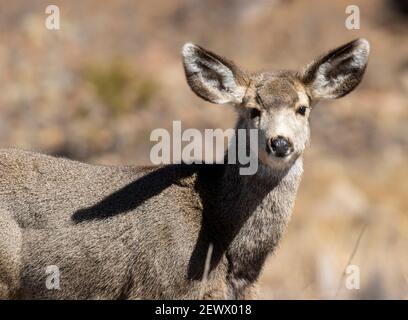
(324,86)
(361,53)
(216,77)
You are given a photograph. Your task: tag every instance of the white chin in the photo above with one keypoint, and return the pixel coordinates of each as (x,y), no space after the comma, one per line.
(280,162)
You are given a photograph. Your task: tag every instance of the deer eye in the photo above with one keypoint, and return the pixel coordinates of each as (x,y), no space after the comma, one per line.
(301,110)
(254,113)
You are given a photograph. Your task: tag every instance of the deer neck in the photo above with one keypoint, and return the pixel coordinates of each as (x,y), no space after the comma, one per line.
(252,212)
(267,190)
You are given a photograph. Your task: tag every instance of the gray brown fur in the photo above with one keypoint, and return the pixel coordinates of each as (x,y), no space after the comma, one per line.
(130,233)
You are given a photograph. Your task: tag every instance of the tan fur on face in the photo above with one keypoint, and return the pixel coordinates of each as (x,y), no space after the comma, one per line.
(278,96)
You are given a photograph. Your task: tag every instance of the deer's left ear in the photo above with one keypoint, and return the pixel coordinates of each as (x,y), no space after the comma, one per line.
(337,73)
(213,77)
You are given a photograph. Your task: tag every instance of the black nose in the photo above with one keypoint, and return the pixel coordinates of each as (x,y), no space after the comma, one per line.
(280,146)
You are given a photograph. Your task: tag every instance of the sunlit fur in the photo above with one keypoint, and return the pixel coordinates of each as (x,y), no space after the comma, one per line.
(143,233)
(278,97)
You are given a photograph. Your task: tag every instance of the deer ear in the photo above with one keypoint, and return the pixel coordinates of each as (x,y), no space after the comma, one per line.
(212,77)
(338,72)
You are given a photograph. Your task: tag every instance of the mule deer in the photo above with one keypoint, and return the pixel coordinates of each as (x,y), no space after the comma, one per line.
(129,232)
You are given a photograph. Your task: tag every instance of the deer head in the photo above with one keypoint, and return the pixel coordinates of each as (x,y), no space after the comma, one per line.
(278,104)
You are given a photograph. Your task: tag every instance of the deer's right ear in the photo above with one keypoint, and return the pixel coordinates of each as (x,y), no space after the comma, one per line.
(212,77)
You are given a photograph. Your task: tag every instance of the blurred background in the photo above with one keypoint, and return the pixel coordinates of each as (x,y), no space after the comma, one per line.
(95,89)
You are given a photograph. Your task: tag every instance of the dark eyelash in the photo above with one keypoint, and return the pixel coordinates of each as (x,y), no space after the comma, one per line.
(302,110)
(259,100)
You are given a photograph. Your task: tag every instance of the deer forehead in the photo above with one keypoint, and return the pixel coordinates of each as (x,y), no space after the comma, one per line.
(279,91)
